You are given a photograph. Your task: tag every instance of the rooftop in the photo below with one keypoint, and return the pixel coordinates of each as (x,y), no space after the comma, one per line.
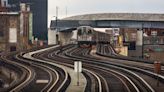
(119,16)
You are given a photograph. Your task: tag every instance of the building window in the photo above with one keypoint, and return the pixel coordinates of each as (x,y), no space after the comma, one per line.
(5,4)
(1,34)
(12,35)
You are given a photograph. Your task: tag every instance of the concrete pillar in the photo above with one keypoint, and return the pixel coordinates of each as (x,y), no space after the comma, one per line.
(52,37)
(65,37)
(139,43)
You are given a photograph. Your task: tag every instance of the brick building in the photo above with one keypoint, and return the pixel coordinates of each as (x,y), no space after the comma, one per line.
(39,10)
(9,31)
(15,29)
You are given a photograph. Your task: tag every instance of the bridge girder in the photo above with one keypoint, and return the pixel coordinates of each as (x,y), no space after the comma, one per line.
(64,25)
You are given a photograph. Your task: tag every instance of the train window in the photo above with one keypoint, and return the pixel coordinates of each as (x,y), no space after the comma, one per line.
(89,31)
(79,32)
(84,30)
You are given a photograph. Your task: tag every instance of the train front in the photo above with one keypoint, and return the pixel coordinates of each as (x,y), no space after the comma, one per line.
(85,36)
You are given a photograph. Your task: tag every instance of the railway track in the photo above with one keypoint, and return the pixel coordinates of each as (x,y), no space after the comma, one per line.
(36,77)
(144,68)
(101,72)
(55,58)
(43,78)
(62,78)
(110,53)
(145,85)
(22,72)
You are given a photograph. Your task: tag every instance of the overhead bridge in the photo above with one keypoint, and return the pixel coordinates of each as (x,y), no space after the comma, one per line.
(112,20)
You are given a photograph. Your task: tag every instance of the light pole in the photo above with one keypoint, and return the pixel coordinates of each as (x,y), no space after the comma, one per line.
(57,17)
(142,41)
(58,38)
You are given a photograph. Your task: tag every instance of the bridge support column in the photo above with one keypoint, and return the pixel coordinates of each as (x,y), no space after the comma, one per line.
(65,37)
(139,43)
(52,37)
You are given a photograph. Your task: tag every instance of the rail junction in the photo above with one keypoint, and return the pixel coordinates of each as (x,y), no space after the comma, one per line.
(51,69)
(104,69)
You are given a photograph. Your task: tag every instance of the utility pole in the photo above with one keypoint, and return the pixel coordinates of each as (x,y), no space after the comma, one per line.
(142,41)
(66,11)
(56,16)
(57,22)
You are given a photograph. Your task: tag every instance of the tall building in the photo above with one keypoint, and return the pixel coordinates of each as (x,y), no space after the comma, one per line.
(39,10)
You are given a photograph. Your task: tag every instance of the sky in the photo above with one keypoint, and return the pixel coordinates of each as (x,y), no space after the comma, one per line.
(78,7)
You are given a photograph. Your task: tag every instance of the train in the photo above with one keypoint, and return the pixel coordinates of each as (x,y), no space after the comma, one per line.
(87,36)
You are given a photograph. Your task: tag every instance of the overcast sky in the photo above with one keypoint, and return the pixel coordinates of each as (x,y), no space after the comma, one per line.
(77,7)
